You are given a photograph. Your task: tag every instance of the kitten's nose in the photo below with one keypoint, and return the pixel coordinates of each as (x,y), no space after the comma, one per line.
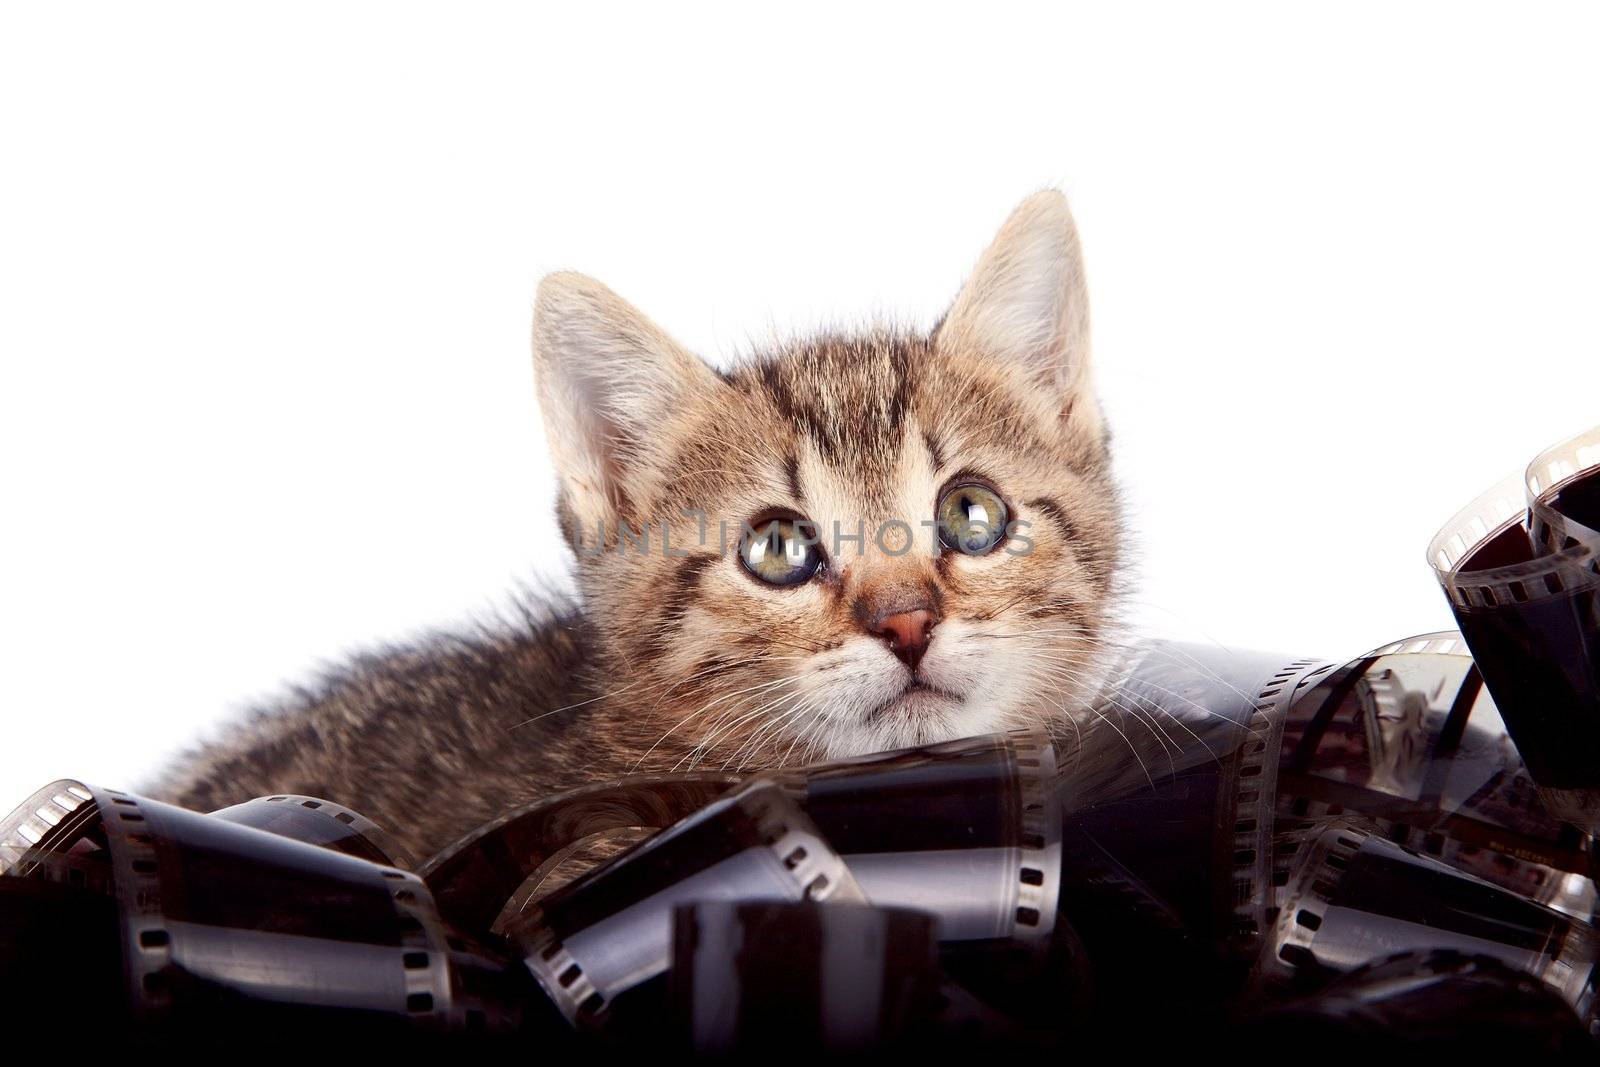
(907,634)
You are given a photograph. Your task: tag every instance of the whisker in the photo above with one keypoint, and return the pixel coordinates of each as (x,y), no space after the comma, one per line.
(707,743)
(702,709)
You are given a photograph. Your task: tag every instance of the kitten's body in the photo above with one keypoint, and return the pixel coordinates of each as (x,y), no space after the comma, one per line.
(682,652)
(431,739)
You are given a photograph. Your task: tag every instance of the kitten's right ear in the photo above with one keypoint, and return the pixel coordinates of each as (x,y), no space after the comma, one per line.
(1026,306)
(610,383)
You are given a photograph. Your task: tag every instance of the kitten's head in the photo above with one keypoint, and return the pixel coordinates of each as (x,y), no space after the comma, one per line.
(871,541)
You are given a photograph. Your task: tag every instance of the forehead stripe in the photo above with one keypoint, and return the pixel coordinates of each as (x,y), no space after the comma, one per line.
(791,473)
(934,451)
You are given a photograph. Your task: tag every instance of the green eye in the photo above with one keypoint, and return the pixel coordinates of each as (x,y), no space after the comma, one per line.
(780,551)
(972,518)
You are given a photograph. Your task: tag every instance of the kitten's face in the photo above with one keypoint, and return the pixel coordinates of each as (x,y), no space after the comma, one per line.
(956,487)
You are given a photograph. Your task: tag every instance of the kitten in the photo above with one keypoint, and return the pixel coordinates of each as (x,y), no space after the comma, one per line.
(852,544)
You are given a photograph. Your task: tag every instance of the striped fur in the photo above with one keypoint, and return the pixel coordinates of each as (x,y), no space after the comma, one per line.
(675,656)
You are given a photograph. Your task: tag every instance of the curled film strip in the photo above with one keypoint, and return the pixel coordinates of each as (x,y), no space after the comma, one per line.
(1562,487)
(492,874)
(1355,897)
(596,939)
(1530,617)
(319,822)
(209,908)
(968,830)
(1485,558)
(837,978)
(1439,643)
(1248,823)
(1407,739)
(37,839)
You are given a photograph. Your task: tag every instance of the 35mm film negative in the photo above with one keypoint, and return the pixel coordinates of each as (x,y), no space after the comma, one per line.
(1170,825)
(1408,739)
(611,931)
(1405,744)
(1229,811)
(832,978)
(222,922)
(1464,1006)
(319,822)
(1353,893)
(969,831)
(491,875)
(1563,492)
(1521,568)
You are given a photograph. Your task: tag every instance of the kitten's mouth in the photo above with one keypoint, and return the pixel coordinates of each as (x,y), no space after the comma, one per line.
(917,700)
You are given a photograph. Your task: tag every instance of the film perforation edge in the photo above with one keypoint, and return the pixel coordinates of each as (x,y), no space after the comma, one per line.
(1252,821)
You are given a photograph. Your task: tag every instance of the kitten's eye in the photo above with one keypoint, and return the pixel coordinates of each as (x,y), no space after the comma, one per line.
(781,551)
(972,518)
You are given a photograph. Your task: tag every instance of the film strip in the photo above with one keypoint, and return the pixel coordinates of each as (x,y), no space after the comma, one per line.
(828,978)
(37,838)
(1185,834)
(1485,557)
(1408,740)
(1355,896)
(147,935)
(319,822)
(1460,1005)
(1171,706)
(967,830)
(198,920)
(494,873)
(1438,643)
(216,916)
(1401,813)
(596,939)
(1038,864)
(1248,830)
(1562,486)
(1528,613)
(1526,602)
(1323,857)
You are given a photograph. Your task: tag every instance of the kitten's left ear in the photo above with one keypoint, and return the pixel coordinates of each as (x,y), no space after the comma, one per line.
(612,385)
(1027,303)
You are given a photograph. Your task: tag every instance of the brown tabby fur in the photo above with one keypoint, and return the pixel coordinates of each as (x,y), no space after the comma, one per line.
(680,659)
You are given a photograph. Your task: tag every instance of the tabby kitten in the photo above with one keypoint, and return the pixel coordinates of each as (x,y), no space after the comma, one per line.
(851,544)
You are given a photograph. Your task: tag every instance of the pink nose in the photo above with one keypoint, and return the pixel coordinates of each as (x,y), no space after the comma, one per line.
(907,634)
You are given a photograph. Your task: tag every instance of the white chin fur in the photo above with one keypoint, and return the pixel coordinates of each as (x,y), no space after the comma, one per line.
(981,682)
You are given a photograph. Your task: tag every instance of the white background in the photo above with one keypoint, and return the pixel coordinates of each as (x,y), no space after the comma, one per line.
(265,280)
